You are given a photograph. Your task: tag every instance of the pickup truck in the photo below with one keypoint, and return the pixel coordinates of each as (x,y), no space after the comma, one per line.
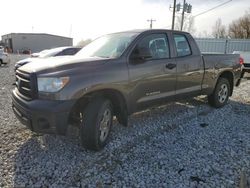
(245,56)
(116,75)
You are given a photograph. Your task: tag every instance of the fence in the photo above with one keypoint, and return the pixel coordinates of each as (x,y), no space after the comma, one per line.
(223,45)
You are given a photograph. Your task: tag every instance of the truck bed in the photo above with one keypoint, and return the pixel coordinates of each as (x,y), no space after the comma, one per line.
(214,64)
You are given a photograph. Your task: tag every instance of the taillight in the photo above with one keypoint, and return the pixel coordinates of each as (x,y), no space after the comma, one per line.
(241,61)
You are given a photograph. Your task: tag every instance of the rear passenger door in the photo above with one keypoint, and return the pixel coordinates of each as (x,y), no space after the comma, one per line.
(189,66)
(153,79)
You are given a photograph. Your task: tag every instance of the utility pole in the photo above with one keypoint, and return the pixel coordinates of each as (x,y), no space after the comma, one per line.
(151,22)
(183,13)
(176,9)
(173,18)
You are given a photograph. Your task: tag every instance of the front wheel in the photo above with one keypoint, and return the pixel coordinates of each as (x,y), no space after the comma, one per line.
(96,124)
(221,93)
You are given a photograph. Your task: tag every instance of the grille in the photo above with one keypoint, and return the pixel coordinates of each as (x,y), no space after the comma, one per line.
(24,84)
(246,65)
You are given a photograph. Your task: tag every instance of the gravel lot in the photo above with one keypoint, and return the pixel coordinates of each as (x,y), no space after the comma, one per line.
(182,144)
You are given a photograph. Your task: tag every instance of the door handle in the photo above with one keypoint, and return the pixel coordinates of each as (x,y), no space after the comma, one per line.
(170,66)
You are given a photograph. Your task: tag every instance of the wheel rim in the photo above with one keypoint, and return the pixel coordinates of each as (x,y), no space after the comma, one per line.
(223,93)
(105,125)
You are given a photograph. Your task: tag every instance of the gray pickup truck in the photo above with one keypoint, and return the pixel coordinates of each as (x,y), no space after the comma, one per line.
(116,75)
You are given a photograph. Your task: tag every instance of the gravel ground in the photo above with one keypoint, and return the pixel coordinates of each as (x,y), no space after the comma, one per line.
(182,144)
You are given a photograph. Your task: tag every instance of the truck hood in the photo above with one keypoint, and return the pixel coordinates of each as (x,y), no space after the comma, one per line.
(52,63)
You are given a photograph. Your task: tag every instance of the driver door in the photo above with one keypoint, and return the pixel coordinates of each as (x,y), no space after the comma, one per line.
(152,72)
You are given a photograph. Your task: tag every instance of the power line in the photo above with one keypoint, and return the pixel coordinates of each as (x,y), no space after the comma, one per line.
(206,11)
(212,8)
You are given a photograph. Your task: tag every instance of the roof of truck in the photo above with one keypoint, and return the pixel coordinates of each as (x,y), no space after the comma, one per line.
(150,31)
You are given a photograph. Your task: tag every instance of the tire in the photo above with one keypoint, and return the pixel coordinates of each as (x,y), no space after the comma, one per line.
(96,124)
(1,62)
(221,93)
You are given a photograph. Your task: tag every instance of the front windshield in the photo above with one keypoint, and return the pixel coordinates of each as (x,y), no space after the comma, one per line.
(108,46)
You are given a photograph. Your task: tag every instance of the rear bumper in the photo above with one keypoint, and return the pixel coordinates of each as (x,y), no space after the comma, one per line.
(246,67)
(43,116)
(246,70)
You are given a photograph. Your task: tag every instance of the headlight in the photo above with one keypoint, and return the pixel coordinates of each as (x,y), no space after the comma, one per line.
(51,85)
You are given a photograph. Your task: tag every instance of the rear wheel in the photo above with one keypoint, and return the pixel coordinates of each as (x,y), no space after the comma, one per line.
(96,124)
(1,62)
(221,93)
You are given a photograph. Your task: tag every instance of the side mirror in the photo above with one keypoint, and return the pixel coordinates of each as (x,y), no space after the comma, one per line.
(140,55)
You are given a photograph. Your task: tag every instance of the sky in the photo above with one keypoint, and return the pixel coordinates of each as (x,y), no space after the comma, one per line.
(84,19)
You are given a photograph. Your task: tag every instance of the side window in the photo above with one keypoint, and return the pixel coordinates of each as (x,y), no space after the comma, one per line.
(59,54)
(68,51)
(72,51)
(155,45)
(182,46)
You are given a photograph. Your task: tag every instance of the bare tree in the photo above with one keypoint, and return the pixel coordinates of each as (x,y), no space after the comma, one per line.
(240,28)
(219,30)
(245,24)
(204,34)
(188,24)
(83,43)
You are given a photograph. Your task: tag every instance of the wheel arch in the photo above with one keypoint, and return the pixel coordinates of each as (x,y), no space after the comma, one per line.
(230,77)
(116,97)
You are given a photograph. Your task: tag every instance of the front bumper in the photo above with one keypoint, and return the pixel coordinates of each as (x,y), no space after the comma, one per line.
(43,116)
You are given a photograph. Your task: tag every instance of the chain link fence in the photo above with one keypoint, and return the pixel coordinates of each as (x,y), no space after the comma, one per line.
(211,45)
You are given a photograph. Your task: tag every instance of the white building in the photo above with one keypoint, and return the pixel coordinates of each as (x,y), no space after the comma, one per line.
(35,42)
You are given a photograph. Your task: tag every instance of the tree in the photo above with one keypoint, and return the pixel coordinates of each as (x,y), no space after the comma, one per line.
(219,30)
(240,28)
(83,43)
(188,23)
